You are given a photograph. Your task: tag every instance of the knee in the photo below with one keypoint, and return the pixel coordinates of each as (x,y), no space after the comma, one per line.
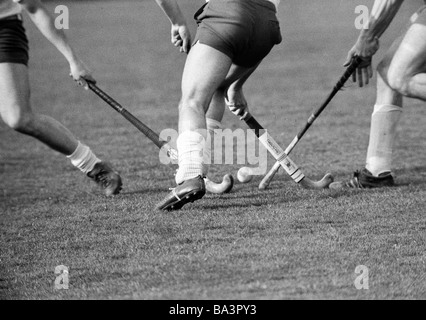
(382,69)
(400,84)
(392,76)
(395,77)
(192,103)
(399,80)
(18,121)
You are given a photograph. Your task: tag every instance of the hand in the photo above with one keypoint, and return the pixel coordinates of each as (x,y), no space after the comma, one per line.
(181,37)
(80,73)
(365,49)
(237,103)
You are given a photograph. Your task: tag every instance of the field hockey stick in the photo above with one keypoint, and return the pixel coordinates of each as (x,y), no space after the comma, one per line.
(339,85)
(278,153)
(224,187)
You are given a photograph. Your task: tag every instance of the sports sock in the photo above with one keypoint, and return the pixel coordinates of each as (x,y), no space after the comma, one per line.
(384,122)
(83,158)
(212,125)
(190,145)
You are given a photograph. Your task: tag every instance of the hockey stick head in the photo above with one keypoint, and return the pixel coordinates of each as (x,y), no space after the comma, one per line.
(220,188)
(263,185)
(324,183)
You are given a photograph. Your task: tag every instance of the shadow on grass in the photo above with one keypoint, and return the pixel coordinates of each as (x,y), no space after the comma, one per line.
(144,191)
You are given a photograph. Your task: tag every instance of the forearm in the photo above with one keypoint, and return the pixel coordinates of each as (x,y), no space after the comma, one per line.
(381,17)
(45,23)
(172,10)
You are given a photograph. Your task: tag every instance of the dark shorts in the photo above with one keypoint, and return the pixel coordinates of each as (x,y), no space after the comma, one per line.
(420,16)
(244,30)
(13,42)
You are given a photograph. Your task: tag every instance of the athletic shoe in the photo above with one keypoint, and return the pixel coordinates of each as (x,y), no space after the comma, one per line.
(106,178)
(365,180)
(188,191)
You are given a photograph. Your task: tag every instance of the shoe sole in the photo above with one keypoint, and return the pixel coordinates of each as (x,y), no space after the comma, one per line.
(343,186)
(188,198)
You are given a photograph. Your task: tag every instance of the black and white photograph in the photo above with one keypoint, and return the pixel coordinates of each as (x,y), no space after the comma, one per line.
(212,155)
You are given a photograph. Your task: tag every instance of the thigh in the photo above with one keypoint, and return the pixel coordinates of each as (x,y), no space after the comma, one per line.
(410,56)
(205,70)
(237,72)
(14,90)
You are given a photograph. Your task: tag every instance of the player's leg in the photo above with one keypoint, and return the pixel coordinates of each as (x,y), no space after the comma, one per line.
(16,112)
(227,92)
(214,118)
(401,73)
(206,70)
(384,120)
(407,71)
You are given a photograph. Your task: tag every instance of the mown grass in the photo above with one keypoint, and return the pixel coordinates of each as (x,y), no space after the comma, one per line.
(283,243)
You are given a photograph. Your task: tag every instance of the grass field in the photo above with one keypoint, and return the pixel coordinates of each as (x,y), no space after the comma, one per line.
(283,243)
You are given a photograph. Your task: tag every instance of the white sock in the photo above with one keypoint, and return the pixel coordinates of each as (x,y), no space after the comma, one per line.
(83,158)
(384,122)
(190,145)
(212,125)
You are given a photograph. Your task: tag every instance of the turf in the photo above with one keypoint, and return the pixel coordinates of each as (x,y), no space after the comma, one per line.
(282,243)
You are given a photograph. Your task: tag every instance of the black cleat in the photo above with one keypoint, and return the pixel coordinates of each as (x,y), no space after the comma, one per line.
(365,180)
(188,191)
(106,178)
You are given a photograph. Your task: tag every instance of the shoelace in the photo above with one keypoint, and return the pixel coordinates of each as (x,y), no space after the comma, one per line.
(102,176)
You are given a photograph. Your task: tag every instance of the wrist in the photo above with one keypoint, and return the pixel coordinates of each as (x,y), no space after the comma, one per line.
(178,23)
(73,59)
(368,37)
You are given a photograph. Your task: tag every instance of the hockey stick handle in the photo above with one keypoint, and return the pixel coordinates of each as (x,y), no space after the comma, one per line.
(339,85)
(150,134)
(253,124)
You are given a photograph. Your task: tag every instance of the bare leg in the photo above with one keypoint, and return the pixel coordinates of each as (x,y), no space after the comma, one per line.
(207,72)
(400,73)
(234,82)
(206,75)
(407,70)
(15,110)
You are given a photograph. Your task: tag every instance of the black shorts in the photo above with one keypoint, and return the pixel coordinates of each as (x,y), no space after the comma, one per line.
(13,42)
(244,30)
